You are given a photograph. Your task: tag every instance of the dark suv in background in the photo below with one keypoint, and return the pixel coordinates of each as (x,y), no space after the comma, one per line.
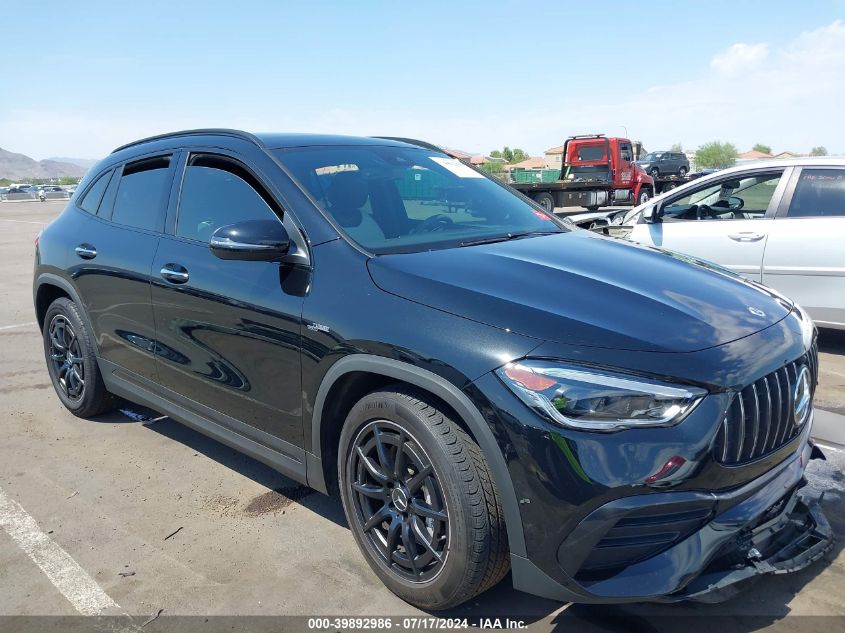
(485,387)
(658,164)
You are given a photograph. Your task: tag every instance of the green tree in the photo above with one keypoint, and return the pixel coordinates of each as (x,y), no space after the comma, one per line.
(819,150)
(519,155)
(759,147)
(494,167)
(514,155)
(716,155)
(677,147)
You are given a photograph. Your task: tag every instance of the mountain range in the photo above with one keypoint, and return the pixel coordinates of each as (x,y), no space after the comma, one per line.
(21,167)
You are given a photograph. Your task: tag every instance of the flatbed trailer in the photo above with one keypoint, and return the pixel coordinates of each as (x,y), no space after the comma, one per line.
(597,171)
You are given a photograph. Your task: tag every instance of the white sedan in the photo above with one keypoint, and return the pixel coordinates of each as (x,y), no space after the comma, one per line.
(781,223)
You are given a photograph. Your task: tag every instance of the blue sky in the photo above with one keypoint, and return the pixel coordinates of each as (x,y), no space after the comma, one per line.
(472,75)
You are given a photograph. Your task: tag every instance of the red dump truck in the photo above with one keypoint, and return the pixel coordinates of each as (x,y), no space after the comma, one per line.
(598,171)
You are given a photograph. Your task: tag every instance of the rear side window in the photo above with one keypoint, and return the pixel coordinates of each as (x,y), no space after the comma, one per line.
(141,193)
(217,191)
(820,193)
(91,201)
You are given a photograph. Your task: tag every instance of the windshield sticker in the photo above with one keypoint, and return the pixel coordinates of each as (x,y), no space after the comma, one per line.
(456,167)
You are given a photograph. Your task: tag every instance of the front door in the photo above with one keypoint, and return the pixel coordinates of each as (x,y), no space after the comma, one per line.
(726,222)
(228,331)
(805,256)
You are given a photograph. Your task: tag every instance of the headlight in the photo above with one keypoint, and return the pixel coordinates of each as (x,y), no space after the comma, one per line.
(597,400)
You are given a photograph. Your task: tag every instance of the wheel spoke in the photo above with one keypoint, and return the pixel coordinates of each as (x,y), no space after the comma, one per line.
(57,337)
(371,467)
(399,459)
(380,515)
(393,531)
(424,510)
(381,451)
(422,538)
(74,371)
(410,548)
(368,490)
(416,481)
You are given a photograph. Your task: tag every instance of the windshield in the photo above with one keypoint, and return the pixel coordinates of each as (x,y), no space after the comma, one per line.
(650,157)
(587,152)
(402,199)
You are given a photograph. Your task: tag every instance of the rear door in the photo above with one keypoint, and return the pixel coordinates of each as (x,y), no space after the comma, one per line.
(112,257)
(805,254)
(726,221)
(228,331)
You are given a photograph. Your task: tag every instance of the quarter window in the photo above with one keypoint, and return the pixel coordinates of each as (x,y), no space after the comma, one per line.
(141,193)
(91,201)
(217,191)
(820,193)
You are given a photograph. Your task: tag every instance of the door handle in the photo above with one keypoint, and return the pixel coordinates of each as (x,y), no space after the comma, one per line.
(747,236)
(86,251)
(174,273)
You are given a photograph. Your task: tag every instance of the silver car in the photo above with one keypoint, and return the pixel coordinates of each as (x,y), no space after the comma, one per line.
(781,223)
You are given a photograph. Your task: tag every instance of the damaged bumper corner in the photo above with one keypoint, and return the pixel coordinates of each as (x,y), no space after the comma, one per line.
(799,535)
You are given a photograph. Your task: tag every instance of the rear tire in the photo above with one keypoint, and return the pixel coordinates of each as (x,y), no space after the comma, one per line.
(545,200)
(440,493)
(682,172)
(72,363)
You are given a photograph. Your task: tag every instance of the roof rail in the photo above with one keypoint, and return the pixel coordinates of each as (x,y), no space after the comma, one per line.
(198,132)
(587,136)
(411,141)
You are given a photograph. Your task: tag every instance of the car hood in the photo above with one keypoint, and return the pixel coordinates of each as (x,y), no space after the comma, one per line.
(582,289)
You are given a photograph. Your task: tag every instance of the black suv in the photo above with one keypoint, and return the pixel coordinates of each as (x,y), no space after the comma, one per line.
(486,387)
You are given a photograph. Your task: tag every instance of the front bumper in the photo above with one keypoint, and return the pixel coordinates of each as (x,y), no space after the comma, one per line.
(764,527)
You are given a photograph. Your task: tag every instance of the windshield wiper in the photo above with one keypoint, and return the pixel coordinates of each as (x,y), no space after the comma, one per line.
(507,237)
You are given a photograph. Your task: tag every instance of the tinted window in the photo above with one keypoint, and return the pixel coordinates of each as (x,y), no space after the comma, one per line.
(95,193)
(626,152)
(217,192)
(819,193)
(400,199)
(141,193)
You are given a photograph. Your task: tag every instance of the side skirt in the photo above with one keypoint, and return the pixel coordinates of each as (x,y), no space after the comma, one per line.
(275,453)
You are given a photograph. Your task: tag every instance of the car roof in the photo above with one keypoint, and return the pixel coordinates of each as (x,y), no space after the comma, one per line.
(269,141)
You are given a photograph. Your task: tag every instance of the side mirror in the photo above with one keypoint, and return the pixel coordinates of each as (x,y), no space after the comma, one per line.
(654,215)
(251,240)
(735,203)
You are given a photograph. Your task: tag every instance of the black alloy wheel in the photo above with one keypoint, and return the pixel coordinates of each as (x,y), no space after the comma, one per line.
(419,498)
(398,501)
(66,356)
(72,361)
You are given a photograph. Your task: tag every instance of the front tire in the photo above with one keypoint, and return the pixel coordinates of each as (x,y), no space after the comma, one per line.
(654,172)
(420,501)
(643,196)
(72,363)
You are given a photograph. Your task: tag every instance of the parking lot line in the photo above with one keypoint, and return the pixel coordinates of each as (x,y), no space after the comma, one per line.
(23,221)
(67,576)
(12,327)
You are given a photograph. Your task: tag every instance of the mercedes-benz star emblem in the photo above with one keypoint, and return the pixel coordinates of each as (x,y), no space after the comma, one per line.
(802,396)
(400,499)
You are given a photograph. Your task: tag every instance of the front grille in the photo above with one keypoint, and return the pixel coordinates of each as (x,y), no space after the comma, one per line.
(644,533)
(760,418)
